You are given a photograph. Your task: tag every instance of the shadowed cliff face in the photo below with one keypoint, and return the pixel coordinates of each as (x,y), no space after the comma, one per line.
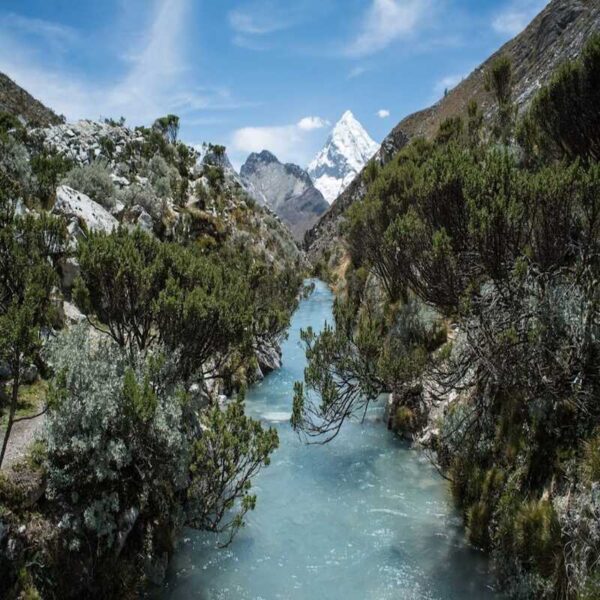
(286,189)
(557,34)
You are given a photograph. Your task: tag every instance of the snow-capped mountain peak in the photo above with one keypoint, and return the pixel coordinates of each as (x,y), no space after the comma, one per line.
(347,150)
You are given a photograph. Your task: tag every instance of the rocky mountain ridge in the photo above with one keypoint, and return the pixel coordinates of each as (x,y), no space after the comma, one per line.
(286,189)
(556,35)
(347,150)
(21,104)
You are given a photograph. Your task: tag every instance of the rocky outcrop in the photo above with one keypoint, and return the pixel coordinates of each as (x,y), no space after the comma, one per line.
(86,140)
(77,206)
(268,357)
(286,189)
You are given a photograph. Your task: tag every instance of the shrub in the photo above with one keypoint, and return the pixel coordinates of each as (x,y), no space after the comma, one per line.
(591,460)
(115,441)
(564,120)
(537,536)
(144,196)
(94,181)
(49,168)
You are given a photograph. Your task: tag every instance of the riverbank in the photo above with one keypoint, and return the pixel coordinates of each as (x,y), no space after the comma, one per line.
(363,517)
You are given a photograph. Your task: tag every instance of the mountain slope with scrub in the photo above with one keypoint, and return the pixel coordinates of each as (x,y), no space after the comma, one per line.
(471,300)
(142,290)
(557,34)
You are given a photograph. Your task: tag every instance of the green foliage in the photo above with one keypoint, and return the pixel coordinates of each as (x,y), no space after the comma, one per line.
(122,275)
(215,177)
(115,442)
(499,81)
(8,122)
(504,242)
(563,119)
(94,181)
(27,245)
(231,451)
(168,127)
(49,168)
(451,130)
(537,536)
(591,460)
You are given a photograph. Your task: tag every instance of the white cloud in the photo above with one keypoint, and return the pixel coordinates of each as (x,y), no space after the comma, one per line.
(357,72)
(385,22)
(55,33)
(156,78)
(262,17)
(310,123)
(156,66)
(516,16)
(383,113)
(290,143)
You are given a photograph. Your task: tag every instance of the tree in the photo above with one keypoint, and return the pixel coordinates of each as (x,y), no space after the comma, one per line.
(499,81)
(145,292)
(563,120)
(168,126)
(122,275)
(27,245)
(49,168)
(231,451)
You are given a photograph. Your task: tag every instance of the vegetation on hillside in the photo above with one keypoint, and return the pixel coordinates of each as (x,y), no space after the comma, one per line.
(138,440)
(473,287)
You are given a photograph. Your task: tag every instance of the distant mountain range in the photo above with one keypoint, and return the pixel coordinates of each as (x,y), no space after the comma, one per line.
(286,189)
(300,197)
(346,152)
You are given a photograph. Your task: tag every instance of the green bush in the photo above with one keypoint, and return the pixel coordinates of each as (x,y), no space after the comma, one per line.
(94,181)
(537,539)
(591,460)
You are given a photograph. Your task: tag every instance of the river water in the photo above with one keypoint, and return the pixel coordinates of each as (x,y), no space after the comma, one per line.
(362,518)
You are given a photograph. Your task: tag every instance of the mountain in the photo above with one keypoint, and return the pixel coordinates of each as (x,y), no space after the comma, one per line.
(21,104)
(346,152)
(557,34)
(286,189)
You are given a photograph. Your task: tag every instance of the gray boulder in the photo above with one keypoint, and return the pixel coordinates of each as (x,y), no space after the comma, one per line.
(71,203)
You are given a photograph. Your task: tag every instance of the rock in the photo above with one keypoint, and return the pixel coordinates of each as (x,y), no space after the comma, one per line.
(137,216)
(70,270)
(20,208)
(118,209)
(286,189)
(120,182)
(155,568)
(75,232)
(145,221)
(346,152)
(72,314)
(29,374)
(72,203)
(268,356)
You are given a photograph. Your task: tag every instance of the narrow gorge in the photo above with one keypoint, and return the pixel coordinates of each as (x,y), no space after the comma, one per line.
(363,517)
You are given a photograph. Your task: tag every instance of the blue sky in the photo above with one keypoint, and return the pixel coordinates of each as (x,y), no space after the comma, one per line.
(251,73)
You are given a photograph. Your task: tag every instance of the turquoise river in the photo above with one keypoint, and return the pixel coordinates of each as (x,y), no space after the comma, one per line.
(362,518)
